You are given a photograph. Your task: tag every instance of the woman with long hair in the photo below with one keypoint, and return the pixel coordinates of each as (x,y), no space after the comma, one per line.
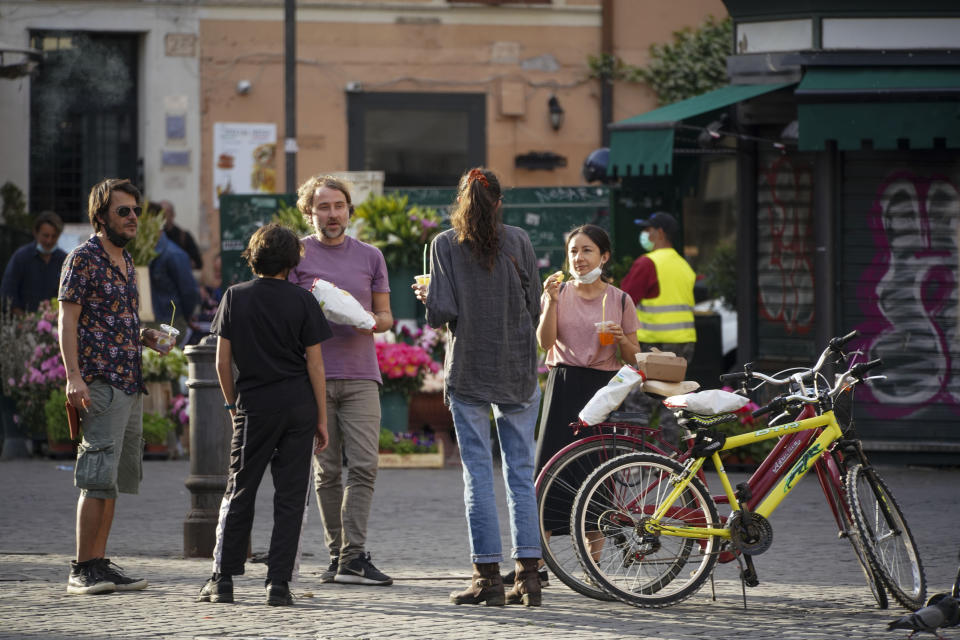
(485,288)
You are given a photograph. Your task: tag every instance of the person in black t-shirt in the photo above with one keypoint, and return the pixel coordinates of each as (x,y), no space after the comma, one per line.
(272,330)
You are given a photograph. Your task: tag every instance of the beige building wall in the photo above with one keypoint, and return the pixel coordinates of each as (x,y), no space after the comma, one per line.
(517,55)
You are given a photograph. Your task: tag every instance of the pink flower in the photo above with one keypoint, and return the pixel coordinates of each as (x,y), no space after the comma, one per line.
(44,326)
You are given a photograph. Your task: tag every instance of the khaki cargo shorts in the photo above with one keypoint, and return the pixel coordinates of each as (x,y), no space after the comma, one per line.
(110,456)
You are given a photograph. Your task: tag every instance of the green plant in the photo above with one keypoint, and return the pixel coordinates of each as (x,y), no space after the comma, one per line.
(156,427)
(14,210)
(696,61)
(720,274)
(58,430)
(399,230)
(143,248)
(158,368)
(406,443)
(291,218)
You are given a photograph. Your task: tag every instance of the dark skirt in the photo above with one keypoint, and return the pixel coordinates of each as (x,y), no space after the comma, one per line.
(567,390)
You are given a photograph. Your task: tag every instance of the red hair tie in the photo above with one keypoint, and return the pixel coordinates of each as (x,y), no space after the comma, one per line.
(477,174)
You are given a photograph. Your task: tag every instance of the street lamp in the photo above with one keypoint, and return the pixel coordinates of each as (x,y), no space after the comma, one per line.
(556,113)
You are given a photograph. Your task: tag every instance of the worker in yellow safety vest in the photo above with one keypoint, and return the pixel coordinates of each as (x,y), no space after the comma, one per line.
(661,285)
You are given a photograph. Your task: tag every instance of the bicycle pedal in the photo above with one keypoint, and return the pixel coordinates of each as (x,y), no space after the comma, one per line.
(750,581)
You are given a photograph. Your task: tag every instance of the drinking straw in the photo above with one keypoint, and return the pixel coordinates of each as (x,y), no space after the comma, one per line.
(425,247)
(173,304)
(603,311)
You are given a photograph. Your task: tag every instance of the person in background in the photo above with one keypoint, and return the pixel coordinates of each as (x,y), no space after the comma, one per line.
(180,237)
(353,378)
(485,288)
(33,272)
(661,285)
(171,280)
(580,361)
(210,296)
(272,330)
(100,343)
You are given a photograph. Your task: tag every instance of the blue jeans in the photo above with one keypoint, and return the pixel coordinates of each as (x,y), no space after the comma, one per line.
(515,427)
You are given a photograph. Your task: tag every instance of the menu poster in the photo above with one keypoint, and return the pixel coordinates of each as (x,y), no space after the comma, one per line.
(244,158)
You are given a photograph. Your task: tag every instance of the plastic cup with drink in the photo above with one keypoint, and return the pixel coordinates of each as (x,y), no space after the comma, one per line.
(166,338)
(604,330)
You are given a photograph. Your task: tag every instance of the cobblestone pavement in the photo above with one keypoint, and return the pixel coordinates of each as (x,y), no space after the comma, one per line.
(418,535)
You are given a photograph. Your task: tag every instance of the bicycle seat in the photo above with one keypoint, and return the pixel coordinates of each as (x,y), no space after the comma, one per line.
(632,417)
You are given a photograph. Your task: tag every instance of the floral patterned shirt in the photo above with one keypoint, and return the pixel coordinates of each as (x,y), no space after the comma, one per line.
(108,330)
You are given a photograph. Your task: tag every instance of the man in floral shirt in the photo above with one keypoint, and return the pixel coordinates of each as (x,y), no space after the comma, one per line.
(100,342)
(352,376)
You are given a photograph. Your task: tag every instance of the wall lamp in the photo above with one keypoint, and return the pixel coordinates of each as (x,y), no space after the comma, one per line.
(556,113)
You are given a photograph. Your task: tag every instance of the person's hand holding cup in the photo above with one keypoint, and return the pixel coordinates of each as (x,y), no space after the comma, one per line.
(421,286)
(605,330)
(161,340)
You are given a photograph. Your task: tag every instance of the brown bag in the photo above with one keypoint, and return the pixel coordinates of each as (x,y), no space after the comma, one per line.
(73,419)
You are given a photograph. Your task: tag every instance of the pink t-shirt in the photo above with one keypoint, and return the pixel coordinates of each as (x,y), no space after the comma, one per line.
(577,342)
(356,267)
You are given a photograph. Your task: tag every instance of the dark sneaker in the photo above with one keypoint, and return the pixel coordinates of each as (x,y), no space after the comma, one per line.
(331,572)
(278,594)
(360,570)
(114,574)
(511,577)
(219,588)
(86,579)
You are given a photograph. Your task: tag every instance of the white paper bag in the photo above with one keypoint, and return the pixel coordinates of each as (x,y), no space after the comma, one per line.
(611,396)
(339,306)
(708,403)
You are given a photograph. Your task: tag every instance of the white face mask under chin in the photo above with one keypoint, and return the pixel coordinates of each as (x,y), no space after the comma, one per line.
(589,277)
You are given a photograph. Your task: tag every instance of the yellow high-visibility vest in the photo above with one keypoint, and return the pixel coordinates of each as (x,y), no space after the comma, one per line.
(669,316)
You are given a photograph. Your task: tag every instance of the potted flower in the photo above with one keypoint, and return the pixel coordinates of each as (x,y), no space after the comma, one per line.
(156,431)
(31,365)
(403,367)
(410,450)
(159,375)
(400,231)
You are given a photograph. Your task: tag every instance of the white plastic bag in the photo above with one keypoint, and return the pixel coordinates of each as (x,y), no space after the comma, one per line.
(611,396)
(708,403)
(339,306)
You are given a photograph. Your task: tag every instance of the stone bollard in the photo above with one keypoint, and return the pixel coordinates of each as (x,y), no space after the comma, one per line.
(210,434)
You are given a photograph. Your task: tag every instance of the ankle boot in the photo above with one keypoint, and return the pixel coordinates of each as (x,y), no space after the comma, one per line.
(526,584)
(486,587)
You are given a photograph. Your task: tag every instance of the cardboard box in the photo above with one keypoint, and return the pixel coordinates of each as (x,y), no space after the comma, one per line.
(662,365)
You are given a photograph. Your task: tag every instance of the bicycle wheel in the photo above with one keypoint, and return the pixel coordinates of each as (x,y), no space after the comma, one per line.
(556,490)
(886,537)
(642,569)
(836,494)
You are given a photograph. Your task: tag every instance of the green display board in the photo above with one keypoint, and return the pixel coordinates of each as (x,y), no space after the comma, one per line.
(546,213)
(240,216)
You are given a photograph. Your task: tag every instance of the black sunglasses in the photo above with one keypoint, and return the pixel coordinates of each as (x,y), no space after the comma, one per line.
(123,212)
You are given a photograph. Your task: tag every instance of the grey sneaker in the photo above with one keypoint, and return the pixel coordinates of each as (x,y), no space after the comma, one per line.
(360,570)
(331,572)
(87,579)
(114,574)
(219,588)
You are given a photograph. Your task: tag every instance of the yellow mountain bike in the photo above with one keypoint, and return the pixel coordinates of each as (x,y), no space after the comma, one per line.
(661,530)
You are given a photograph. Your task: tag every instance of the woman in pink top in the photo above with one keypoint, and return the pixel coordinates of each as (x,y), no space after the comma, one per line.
(579,364)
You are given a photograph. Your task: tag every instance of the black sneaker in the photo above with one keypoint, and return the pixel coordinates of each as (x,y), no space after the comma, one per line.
(360,570)
(278,594)
(331,572)
(511,577)
(114,574)
(219,588)
(87,579)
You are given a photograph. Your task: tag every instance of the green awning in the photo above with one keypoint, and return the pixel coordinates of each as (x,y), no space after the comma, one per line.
(882,105)
(643,144)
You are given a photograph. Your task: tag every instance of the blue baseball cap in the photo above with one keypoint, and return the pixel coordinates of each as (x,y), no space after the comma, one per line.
(660,220)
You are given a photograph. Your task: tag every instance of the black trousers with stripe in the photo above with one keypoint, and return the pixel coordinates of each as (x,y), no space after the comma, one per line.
(284,440)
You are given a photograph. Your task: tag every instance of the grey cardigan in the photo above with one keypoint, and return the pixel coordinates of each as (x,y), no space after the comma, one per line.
(492,317)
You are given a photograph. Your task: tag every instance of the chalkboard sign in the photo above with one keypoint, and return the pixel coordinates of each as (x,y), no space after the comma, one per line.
(240,216)
(546,213)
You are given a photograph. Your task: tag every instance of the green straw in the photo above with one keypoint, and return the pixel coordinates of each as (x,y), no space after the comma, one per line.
(425,247)
(173,304)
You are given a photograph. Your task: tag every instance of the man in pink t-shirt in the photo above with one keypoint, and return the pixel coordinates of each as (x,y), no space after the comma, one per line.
(352,375)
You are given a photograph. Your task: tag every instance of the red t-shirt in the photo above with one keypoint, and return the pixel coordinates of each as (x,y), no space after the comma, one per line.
(641,282)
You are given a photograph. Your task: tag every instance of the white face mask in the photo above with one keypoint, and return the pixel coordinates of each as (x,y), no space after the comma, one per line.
(590,276)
